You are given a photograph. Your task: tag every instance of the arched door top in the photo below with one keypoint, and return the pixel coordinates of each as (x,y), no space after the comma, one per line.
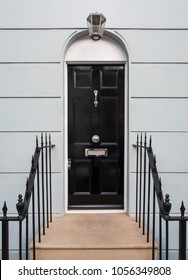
(85,50)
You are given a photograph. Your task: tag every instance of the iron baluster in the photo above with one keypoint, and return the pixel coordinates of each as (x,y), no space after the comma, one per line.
(47,203)
(160,222)
(148,210)
(160,237)
(182,234)
(27,236)
(33,221)
(167,239)
(149,190)
(42,177)
(50,175)
(144,187)
(137,159)
(27,225)
(140,191)
(20,240)
(153,236)
(38,194)
(5,234)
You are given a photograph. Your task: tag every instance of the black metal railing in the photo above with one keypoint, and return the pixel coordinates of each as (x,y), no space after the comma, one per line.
(148,192)
(35,207)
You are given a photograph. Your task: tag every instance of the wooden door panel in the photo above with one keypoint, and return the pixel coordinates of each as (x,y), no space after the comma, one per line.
(96,181)
(82,177)
(82,125)
(109,177)
(82,77)
(109,77)
(109,107)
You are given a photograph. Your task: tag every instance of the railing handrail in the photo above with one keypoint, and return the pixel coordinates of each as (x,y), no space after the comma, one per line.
(163,203)
(157,182)
(24,203)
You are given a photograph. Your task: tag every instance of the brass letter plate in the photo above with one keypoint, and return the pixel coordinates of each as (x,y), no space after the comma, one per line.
(96,152)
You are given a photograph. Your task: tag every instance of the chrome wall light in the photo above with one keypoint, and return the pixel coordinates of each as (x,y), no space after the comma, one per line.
(96,22)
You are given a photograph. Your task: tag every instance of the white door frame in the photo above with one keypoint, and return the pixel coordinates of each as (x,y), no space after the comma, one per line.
(86,51)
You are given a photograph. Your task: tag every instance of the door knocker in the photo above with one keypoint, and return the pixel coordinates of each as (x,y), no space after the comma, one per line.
(96,101)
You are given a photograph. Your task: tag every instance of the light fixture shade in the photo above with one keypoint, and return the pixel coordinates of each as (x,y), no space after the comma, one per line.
(96,22)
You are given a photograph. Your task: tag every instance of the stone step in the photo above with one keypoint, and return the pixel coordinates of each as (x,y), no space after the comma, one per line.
(93,236)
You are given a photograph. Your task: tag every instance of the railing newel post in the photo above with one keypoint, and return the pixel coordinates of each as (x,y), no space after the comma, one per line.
(20,207)
(167,207)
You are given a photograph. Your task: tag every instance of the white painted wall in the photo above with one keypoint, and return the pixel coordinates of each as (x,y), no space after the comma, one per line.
(120,13)
(33,35)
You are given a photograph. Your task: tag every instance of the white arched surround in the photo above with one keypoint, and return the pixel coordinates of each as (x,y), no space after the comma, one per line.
(84,50)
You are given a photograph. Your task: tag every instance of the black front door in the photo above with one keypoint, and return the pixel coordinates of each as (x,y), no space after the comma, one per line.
(96,136)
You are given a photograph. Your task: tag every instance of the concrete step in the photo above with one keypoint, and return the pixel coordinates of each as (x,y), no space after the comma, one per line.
(93,237)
